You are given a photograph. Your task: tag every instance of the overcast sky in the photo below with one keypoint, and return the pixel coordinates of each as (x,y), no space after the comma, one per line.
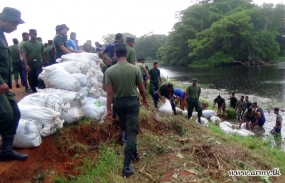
(92,19)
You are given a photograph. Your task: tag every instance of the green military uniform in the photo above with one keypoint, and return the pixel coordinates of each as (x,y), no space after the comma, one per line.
(241,106)
(249,117)
(193,93)
(58,41)
(124,78)
(141,66)
(16,62)
(9,111)
(34,51)
(132,54)
(49,55)
(154,82)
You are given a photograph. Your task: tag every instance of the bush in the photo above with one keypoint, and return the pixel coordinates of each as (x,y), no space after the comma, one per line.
(231,113)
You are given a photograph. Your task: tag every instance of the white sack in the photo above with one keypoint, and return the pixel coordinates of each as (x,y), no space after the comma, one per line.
(71,67)
(226,128)
(48,133)
(102,100)
(228,124)
(45,116)
(244,133)
(73,98)
(28,134)
(57,77)
(204,121)
(84,91)
(48,100)
(215,120)
(178,110)
(185,113)
(94,93)
(94,110)
(74,114)
(81,78)
(166,107)
(208,113)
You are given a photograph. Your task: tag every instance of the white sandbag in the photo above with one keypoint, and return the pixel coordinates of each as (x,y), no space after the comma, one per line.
(204,121)
(48,100)
(81,57)
(215,120)
(185,113)
(99,74)
(178,110)
(81,78)
(228,124)
(57,77)
(28,134)
(74,114)
(244,133)
(194,114)
(94,110)
(84,91)
(208,113)
(48,133)
(45,116)
(93,81)
(94,93)
(73,98)
(102,100)
(226,128)
(166,107)
(71,67)
(243,126)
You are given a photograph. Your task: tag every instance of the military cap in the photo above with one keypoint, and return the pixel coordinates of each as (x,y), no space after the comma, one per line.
(130,39)
(49,41)
(11,15)
(120,47)
(32,31)
(62,27)
(194,80)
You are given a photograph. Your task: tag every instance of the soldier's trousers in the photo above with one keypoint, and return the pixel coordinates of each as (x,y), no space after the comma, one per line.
(9,115)
(153,87)
(17,70)
(128,111)
(33,75)
(24,75)
(194,102)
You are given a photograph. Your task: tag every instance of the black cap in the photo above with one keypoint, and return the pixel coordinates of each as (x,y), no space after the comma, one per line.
(11,15)
(118,36)
(32,31)
(194,80)
(49,41)
(130,39)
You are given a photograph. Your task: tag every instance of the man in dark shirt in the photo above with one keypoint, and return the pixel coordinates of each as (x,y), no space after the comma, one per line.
(233,100)
(60,42)
(155,78)
(16,62)
(221,105)
(165,90)
(111,49)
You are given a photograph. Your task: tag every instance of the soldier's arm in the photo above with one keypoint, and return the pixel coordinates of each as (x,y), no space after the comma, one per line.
(133,57)
(26,62)
(65,50)
(73,51)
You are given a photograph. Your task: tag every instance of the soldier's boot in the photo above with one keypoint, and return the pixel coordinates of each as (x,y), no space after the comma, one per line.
(199,119)
(127,169)
(8,154)
(17,83)
(124,137)
(136,156)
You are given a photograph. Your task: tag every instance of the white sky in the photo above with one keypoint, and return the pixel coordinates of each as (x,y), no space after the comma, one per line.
(92,19)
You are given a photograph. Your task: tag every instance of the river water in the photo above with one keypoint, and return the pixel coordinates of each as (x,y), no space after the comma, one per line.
(266,86)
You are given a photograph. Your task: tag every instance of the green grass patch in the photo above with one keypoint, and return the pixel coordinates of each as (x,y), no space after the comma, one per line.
(107,168)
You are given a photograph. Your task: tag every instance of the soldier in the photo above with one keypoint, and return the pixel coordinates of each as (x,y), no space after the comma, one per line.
(122,81)
(221,106)
(131,51)
(16,62)
(111,49)
(34,59)
(48,53)
(26,38)
(259,115)
(144,72)
(233,100)
(10,114)
(39,39)
(193,94)
(248,117)
(241,105)
(154,78)
(145,75)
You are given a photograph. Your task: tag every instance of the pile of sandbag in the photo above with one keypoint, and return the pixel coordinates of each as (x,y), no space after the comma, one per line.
(230,129)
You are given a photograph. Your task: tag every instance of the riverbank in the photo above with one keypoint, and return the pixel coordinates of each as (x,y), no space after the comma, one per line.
(172,149)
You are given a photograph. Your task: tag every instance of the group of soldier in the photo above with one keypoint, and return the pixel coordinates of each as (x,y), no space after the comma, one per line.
(123,75)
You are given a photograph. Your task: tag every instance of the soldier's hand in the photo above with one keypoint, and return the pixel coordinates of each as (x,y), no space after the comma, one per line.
(144,103)
(109,115)
(163,100)
(28,69)
(4,88)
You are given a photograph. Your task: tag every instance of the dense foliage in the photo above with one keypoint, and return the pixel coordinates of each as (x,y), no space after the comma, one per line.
(218,32)
(146,46)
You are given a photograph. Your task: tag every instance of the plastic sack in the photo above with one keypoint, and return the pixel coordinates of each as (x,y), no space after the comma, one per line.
(44,116)
(48,133)
(94,93)
(94,110)
(244,133)
(102,100)
(27,135)
(185,113)
(81,78)
(57,77)
(84,91)
(73,98)
(226,128)
(228,124)
(81,57)
(178,110)
(71,67)
(166,107)
(204,121)
(74,114)
(208,113)
(215,120)
(48,100)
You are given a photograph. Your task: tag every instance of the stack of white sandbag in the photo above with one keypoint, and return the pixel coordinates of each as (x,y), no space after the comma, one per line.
(208,113)
(228,128)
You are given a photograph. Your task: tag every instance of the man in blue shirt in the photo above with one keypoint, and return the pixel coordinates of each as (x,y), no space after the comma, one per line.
(111,49)
(180,97)
(259,115)
(71,42)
